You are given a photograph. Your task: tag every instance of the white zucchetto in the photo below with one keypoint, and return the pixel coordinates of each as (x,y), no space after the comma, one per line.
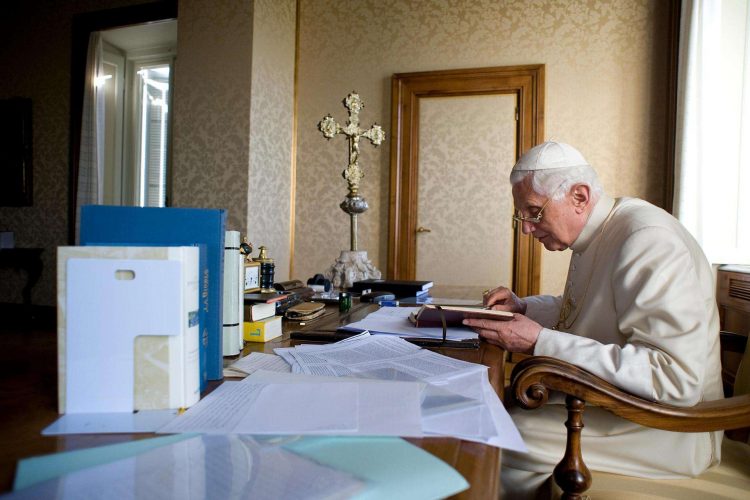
(549,155)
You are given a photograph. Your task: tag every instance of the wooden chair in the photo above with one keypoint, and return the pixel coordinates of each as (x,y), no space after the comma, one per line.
(534,377)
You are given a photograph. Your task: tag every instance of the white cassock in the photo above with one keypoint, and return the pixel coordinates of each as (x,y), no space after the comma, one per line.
(642,315)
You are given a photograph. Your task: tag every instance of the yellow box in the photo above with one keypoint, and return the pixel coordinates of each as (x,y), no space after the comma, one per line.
(262,330)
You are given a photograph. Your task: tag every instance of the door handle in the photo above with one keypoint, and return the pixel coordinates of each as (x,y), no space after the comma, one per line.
(422,229)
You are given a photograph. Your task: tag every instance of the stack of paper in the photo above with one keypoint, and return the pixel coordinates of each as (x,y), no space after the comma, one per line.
(385,385)
(457,398)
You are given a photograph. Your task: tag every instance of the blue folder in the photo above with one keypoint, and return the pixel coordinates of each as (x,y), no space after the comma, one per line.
(144,226)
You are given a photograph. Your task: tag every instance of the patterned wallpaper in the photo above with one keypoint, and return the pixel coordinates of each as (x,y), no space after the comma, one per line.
(605,72)
(211,128)
(212,131)
(269,210)
(605,68)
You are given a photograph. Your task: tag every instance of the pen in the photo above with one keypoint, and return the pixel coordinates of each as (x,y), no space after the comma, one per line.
(321,335)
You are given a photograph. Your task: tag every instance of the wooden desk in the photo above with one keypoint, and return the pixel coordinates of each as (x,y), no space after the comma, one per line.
(478,463)
(28,403)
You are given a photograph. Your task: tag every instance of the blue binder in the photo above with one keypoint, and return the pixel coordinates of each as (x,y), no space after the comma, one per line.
(115,225)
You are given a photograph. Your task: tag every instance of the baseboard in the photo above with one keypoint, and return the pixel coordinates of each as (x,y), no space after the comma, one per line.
(34,317)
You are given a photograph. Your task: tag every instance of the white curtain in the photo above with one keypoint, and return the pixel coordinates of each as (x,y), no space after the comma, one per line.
(712,158)
(91,161)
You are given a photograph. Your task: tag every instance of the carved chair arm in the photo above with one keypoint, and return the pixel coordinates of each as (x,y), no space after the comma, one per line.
(533,379)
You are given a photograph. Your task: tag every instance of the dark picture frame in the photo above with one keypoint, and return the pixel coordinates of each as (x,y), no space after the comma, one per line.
(16,169)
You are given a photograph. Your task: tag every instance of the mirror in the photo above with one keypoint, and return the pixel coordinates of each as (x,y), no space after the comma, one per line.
(125,180)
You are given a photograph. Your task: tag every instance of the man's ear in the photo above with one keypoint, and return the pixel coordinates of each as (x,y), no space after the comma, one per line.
(581,196)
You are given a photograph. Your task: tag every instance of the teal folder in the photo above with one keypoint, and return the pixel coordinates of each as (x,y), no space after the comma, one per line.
(391,467)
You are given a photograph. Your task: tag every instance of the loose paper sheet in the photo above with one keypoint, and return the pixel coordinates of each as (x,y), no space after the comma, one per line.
(395,321)
(261,404)
(257,361)
(104,423)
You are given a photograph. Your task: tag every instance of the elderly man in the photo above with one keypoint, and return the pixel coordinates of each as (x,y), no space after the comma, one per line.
(638,310)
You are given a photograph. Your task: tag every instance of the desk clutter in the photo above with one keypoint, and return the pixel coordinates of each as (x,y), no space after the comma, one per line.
(153,300)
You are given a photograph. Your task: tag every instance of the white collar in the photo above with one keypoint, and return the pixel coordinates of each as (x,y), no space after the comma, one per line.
(598,215)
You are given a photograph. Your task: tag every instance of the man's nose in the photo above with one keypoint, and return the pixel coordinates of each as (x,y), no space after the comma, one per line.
(527,227)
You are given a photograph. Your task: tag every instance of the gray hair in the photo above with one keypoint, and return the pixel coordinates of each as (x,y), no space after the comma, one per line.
(556,182)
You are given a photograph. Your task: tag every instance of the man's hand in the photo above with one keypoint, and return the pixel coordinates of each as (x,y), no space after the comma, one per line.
(516,335)
(503,299)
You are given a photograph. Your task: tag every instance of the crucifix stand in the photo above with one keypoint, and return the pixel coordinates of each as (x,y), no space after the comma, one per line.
(353,264)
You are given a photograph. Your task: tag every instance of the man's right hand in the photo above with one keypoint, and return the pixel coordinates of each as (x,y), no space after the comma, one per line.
(503,299)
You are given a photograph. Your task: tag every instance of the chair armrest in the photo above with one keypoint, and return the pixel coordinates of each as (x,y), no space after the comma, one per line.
(533,378)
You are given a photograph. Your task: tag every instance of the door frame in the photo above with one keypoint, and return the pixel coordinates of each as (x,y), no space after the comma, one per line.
(527,84)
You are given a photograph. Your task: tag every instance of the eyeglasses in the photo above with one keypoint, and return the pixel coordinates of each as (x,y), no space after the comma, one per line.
(538,217)
(535,219)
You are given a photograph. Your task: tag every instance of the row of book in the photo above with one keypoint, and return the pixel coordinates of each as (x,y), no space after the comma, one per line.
(148,305)
(167,287)
(263,311)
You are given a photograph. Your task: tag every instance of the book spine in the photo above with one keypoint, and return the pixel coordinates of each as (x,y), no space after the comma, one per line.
(263,330)
(204,325)
(215,364)
(191,321)
(240,298)
(231,324)
(258,311)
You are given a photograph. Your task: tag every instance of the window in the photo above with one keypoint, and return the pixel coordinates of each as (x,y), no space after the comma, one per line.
(138,63)
(153,133)
(712,185)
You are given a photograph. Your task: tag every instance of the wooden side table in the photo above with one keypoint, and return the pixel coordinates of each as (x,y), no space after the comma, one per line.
(28,259)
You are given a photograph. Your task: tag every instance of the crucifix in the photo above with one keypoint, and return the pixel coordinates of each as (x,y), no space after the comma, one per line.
(354,264)
(354,204)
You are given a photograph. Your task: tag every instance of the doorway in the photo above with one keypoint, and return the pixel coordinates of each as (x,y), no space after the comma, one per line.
(137,84)
(456,134)
(83,26)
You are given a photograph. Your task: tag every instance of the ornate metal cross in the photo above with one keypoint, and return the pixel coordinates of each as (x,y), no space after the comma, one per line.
(354,204)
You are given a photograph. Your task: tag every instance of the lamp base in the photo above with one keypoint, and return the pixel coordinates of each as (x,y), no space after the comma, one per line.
(351,266)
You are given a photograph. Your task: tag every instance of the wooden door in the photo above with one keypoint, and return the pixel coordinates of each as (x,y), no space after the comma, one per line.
(466,151)
(447,127)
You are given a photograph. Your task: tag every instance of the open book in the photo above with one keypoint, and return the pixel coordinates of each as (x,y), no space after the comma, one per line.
(429,315)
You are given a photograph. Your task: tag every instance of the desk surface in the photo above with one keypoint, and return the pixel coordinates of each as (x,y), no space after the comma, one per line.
(478,463)
(28,403)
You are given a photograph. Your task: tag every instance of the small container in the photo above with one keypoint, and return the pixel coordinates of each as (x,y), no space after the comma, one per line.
(388,303)
(266,271)
(345,301)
